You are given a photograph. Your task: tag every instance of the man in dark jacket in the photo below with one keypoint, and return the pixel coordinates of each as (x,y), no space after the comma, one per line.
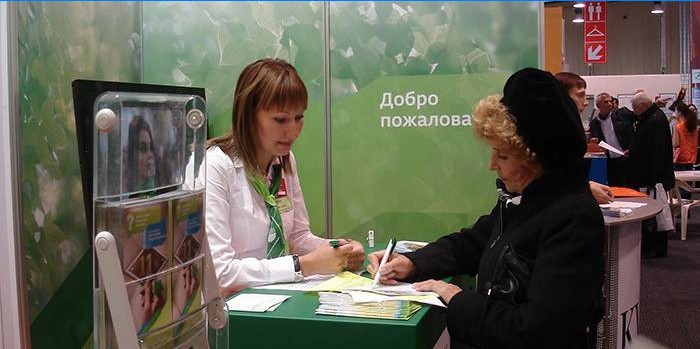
(612,127)
(539,255)
(651,168)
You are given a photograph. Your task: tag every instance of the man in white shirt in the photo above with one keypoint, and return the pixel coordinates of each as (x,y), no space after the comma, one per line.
(613,128)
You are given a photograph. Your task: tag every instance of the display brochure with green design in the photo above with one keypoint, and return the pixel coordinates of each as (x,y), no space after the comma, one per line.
(188,264)
(142,231)
(145,252)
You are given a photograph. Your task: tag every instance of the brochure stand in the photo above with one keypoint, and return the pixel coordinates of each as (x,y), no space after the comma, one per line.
(154,281)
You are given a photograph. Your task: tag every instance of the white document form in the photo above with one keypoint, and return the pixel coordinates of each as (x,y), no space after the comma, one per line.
(609,147)
(256,302)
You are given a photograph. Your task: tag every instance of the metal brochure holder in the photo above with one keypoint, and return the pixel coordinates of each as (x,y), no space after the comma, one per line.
(154,281)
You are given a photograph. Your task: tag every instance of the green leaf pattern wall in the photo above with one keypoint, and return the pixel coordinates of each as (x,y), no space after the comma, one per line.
(413,181)
(468,47)
(207,44)
(59,42)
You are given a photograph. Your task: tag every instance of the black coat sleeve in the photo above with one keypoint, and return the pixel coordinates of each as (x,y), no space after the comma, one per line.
(566,280)
(622,121)
(455,254)
(596,131)
(660,152)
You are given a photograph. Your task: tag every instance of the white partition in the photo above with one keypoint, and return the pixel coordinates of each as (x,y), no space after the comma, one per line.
(627,84)
(10,319)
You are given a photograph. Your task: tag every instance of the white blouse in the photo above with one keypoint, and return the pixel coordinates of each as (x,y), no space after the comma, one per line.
(237,225)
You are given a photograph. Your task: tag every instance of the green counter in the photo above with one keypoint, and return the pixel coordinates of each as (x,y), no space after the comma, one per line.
(295,325)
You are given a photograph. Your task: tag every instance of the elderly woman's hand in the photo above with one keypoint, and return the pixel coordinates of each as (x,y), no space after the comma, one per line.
(396,268)
(445,290)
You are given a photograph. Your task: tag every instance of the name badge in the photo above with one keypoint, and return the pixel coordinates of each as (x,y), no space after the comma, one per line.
(283,202)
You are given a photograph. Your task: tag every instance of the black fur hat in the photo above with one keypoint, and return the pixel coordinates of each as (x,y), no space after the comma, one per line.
(547,120)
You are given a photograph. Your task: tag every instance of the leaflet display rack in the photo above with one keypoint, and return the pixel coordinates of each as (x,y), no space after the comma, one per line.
(142,164)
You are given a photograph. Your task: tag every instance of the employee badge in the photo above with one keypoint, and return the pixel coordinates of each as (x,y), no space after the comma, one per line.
(271,235)
(283,202)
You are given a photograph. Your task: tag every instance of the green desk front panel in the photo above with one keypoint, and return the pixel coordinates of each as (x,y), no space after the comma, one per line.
(295,325)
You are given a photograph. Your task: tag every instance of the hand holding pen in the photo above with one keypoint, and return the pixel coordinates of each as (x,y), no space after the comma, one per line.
(387,252)
(397,267)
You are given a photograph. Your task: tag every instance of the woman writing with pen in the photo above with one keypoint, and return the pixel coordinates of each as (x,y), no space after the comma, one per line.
(539,253)
(256,219)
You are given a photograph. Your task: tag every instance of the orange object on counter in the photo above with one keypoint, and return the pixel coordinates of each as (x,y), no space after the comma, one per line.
(622,192)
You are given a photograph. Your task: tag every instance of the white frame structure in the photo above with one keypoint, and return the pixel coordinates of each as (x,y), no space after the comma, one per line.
(13,331)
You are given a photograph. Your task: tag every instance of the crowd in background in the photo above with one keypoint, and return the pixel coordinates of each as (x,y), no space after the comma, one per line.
(652,146)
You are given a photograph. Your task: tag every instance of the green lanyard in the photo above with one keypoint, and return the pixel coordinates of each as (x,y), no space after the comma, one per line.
(276,243)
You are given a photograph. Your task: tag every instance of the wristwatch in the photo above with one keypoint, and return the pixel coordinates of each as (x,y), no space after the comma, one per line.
(298,276)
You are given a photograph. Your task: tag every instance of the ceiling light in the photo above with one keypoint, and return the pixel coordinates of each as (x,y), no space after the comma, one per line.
(658,8)
(578,16)
(579,4)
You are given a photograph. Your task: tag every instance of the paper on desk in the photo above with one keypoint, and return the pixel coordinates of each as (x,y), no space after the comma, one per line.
(343,281)
(307,284)
(256,302)
(399,289)
(364,297)
(609,147)
(623,204)
(350,281)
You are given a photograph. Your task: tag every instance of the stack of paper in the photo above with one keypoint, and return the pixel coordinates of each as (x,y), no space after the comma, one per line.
(348,294)
(342,304)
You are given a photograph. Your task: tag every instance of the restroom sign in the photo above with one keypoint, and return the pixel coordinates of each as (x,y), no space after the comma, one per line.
(595,32)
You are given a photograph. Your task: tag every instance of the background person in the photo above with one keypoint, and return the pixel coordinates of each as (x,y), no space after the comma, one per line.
(685,139)
(575,87)
(539,258)
(651,169)
(614,128)
(255,209)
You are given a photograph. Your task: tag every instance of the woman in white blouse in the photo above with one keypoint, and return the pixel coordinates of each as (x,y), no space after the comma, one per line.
(256,219)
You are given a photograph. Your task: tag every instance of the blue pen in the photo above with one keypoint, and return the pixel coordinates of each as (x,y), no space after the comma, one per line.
(385,258)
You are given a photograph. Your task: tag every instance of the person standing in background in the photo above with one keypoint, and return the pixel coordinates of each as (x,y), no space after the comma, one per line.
(685,139)
(575,87)
(651,169)
(613,128)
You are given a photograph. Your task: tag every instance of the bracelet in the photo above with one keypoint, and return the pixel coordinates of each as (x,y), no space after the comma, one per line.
(298,275)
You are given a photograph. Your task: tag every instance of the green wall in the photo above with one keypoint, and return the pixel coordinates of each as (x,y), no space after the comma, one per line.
(59,42)
(417,181)
(207,45)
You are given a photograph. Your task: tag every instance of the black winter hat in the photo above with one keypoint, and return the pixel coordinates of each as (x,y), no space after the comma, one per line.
(547,120)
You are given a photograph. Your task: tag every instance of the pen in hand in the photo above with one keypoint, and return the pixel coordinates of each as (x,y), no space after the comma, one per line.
(385,258)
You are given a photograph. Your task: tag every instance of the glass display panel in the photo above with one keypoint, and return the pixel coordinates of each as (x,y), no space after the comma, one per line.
(153,272)
(148,148)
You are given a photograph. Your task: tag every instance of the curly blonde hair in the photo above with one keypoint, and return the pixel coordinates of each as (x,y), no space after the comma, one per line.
(493,123)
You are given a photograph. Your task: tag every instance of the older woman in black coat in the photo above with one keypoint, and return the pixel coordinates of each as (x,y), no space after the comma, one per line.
(539,253)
